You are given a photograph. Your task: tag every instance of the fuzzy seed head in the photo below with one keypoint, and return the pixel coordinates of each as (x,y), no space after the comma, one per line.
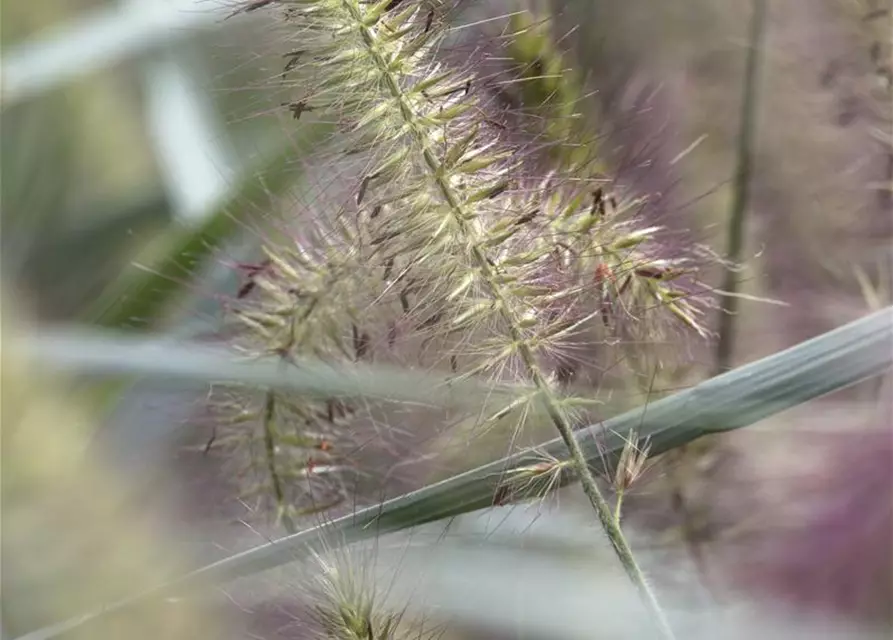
(473,244)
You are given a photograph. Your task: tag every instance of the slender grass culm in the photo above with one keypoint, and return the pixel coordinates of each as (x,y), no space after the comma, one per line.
(741,187)
(497,246)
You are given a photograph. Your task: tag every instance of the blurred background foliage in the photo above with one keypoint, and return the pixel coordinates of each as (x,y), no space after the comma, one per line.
(100,161)
(77,174)
(93,178)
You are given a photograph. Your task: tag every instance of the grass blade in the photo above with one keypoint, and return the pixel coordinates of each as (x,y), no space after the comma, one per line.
(171,362)
(835,360)
(142,294)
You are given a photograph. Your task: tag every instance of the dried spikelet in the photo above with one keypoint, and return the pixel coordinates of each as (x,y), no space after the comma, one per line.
(453,239)
(536,481)
(631,465)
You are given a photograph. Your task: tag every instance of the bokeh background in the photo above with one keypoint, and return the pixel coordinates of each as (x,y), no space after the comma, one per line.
(127,125)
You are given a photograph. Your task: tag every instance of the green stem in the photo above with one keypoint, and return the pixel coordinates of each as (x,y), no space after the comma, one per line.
(741,189)
(618,507)
(558,417)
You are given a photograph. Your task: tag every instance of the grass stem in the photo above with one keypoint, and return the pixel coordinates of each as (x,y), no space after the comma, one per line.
(741,188)
(488,278)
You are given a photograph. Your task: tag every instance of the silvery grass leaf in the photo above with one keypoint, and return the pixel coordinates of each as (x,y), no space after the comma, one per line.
(739,398)
(172,362)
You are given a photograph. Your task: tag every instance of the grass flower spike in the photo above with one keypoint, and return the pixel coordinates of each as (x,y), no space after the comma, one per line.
(453,238)
(346,603)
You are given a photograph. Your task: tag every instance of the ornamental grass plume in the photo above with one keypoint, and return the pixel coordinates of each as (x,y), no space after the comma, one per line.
(453,244)
(473,236)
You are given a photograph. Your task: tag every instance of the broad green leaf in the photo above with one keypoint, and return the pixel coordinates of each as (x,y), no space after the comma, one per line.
(833,361)
(36,153)
(145,290)
(72,266)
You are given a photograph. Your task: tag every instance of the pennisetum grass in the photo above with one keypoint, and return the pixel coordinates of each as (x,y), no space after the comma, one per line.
(346,601)
(476,226)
